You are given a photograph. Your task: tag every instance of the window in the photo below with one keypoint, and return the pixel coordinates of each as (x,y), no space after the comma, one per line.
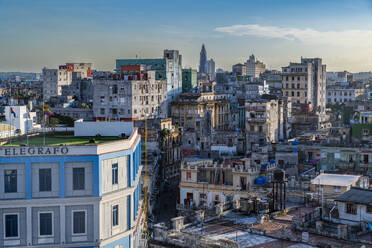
(102,111)
(45,224)
(115,174)
(188,175)
(292,93)
(298,93)
(337,189)
(115,215)
(365,132)
(78,222)
(369,209)
(45,180)
(115,89)
(11,225)
(10,181)
(351,208)
(78,178)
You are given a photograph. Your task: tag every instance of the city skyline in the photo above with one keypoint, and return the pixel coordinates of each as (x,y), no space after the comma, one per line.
(42,33)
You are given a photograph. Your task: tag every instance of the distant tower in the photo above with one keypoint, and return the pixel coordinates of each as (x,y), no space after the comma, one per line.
(211,69)
(203,66)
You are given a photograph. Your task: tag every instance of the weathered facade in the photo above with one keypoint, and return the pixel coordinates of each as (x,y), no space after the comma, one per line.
(201,113)
(130,99)
(205,183)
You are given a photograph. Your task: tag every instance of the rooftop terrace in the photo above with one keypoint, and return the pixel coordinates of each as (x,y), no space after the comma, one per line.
(58,139)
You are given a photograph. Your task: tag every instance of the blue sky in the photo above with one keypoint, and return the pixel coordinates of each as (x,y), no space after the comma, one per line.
(37,33)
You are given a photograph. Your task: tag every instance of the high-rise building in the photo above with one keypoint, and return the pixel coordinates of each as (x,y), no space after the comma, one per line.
(169,67)
(305,82)
(173,62)
(254,67)
(203,64)
(239,69)
(211,69)
(135,95)
(319,82)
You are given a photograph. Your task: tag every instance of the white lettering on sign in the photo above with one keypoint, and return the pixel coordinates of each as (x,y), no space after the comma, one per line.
(32,151)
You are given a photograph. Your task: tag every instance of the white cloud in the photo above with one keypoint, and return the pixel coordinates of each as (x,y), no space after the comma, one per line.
(348,38)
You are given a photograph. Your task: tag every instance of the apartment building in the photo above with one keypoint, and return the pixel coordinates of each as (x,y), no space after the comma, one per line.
(305,82)
(206,183)
(297,82)
(65,75)
(130,97)
(239,69)
(254,67)
(169,68)
(262,121)
(200,114)
(339,95)
(62,195)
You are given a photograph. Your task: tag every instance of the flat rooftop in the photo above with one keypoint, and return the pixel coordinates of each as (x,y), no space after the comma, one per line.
(335,179)
(59,139)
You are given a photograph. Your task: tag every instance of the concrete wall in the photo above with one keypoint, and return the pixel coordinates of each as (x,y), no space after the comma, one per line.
(360,216)
(103,128)
(329,189)
(133,100)
(22,120)
(106,165)
(50,83)
(106,223)
(193,177)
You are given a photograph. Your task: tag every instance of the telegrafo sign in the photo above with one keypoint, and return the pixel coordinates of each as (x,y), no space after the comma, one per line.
(33,151)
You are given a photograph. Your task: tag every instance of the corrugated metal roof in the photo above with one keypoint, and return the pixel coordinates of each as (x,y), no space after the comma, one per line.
(356,195)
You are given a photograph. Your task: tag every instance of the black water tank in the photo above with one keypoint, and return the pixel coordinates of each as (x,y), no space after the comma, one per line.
(279,176)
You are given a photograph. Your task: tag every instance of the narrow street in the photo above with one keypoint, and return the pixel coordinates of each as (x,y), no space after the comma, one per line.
(166,204)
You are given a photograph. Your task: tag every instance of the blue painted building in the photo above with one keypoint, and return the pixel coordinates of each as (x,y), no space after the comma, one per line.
(71,195)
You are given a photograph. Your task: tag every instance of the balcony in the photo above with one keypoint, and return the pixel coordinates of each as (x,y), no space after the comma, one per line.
(256,119)
(255,108)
